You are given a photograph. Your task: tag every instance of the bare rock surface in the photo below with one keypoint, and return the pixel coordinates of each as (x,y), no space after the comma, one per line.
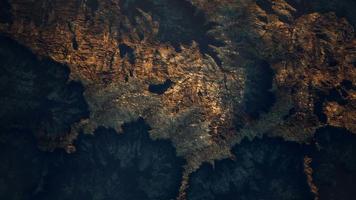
(203,74)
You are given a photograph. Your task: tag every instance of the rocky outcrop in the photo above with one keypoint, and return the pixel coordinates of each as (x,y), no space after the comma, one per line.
(233,70)
(118,57)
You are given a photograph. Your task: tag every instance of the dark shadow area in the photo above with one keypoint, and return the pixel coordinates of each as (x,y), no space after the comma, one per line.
(36,94)
(334,164)
(126,50)
(319,106)
(342,8)
(93,5)
(75,43)
(258,97)
(347,85)
(22,165)
(179,23)
(36,97)
(5,12)
(266,5)
(107,165)
(263,169)
(160,88)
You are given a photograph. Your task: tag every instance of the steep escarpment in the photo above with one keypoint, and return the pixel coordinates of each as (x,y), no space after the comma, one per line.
(205,75)
(119,57)
(305,52)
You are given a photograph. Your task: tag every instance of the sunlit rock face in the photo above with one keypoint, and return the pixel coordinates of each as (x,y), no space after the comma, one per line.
(173,24)
(261,169)
(205,75)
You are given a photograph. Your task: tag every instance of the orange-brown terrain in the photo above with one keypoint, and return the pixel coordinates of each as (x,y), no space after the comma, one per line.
(205,75)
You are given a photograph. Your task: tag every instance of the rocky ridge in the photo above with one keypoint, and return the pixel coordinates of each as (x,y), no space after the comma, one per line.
(198,95)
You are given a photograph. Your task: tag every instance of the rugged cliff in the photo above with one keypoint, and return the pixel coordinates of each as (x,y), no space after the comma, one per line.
(203,74)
